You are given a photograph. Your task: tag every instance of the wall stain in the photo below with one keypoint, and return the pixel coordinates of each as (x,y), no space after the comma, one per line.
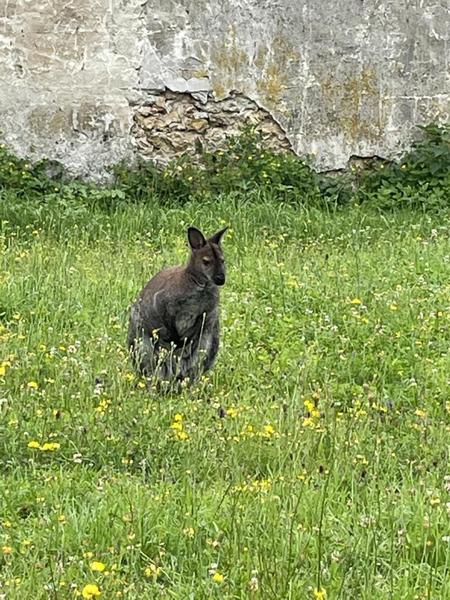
(276,61)
(348,99)
(229,64)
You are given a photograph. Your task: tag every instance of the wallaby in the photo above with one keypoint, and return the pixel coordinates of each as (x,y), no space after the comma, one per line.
(174,324)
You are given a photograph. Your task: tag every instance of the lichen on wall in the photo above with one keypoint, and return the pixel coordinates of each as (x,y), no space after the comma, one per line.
(89,82)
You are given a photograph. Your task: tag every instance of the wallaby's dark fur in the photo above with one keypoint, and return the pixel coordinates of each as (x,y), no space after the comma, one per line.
(174,323)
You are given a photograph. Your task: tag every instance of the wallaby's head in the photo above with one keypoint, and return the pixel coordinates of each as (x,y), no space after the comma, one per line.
(207,260)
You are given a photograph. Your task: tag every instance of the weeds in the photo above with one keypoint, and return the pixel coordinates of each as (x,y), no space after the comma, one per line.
(421,179)
(243,167)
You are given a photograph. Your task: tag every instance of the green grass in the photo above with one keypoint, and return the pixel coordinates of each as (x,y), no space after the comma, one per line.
(317,455)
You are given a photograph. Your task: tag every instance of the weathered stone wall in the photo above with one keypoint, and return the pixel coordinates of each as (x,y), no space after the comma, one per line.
(176,122)
(89,82)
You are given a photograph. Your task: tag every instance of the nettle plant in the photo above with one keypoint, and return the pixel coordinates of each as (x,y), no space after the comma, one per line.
(420,179)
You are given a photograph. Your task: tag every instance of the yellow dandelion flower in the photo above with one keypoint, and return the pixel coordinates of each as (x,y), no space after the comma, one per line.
(152,571)
(97,566)
(218,577)
(269,430)
(182,435)
(32,385)
(177,426)
(319,594)
(356,301)
(7,549)
(90,591)
(50,446)
(309,405)
(189,532)
(33,444)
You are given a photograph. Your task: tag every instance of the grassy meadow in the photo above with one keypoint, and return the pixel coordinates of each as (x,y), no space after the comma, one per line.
(313,461)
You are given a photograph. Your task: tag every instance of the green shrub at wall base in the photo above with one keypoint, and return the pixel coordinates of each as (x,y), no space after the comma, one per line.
(420,179)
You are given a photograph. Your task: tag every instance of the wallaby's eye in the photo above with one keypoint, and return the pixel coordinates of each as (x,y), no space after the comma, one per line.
(206,261)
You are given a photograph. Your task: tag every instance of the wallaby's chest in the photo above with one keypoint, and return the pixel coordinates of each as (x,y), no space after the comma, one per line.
(194,313)
(186,321)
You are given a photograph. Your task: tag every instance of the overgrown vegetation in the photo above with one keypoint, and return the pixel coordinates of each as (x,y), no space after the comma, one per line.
(314,460)
(421,179)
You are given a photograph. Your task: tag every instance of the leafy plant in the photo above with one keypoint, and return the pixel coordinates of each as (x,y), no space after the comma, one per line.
(420,179)
(23,176)
(244,165)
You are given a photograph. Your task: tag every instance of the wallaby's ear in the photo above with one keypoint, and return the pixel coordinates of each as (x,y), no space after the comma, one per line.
(217,237)
(196,238)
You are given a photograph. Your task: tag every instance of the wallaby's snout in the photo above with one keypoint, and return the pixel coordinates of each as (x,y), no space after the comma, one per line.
(219,275)
(219,279)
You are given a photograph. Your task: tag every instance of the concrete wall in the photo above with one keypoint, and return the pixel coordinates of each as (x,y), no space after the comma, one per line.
(88,82)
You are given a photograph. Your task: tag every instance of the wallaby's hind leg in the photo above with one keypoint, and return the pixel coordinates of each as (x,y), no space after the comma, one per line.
(153,360)
(197,361)
(142,350)
(136,343)
(212,347)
